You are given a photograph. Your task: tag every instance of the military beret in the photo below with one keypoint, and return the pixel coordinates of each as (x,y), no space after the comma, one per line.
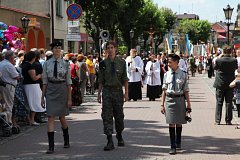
(55,44)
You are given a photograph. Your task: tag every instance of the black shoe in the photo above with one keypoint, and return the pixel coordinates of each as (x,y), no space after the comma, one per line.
(172,151)
(109,146)
(66,145)
(50,151)
(153,99)
(120,140)
(178,146)
(228,123)
(134,99)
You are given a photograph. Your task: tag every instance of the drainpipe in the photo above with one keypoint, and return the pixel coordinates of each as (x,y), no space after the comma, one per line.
(52,18)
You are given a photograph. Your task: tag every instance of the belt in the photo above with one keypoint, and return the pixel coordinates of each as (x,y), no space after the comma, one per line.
(56,82)
(112,88)
(174,95)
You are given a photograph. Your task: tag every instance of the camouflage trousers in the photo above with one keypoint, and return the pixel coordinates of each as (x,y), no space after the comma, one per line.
(112,107)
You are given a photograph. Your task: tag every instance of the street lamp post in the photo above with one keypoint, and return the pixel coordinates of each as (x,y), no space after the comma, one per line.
(131,36)
(155,39)
(25,22)
(213,35)
(228,14)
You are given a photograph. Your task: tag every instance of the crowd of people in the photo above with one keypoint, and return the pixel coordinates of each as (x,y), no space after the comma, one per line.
(37,81)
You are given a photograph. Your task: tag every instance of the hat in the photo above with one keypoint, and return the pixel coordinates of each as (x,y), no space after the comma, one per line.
(55,43)
(80,57)
(49,53)
(70,55)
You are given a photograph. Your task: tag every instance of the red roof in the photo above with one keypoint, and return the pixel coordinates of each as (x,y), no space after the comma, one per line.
(24,12)
(220,37)
(218,30)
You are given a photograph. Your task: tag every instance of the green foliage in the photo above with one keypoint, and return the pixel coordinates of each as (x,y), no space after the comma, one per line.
(169,17)
(122,50)
(197,30)
(120,16)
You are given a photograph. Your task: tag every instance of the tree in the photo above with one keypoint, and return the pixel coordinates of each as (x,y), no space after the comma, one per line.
(120,16)
(146,15)
(169,17)
(100,15)
(197,30)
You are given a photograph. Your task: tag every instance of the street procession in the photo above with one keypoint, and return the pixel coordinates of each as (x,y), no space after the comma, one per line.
(114,80)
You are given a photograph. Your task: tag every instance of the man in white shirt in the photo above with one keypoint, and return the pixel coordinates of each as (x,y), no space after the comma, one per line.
(182,63)
(10,77)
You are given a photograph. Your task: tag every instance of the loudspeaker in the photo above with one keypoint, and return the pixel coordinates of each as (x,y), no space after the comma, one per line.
(104,34)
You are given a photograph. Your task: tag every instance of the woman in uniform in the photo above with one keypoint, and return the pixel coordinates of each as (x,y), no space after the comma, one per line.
(57,91)
(175,92)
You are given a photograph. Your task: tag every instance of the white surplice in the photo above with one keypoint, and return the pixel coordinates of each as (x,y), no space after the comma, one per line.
(134,68)
(153,76)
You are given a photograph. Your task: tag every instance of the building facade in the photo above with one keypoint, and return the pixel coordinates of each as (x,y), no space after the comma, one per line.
(43,27)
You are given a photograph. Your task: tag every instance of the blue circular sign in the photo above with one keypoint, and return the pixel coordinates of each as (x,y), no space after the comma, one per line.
(74,11)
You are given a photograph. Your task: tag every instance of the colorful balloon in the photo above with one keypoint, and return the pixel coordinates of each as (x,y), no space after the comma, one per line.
(3,26)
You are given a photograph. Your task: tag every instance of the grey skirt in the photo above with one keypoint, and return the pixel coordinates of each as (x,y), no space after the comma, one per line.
(175,110)
(56,99)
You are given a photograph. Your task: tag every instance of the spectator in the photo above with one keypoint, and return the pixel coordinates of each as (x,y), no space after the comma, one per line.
(31,86)
(91,69)
(10,77)
(225,68)
(83,74)
(49,55)
(42,56)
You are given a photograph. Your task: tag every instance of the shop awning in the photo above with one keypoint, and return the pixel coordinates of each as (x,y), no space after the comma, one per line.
(220,37)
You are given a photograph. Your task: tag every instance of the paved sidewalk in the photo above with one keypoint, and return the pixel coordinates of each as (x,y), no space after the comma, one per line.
(146,133)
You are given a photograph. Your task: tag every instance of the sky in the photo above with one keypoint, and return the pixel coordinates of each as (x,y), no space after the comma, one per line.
(211,10)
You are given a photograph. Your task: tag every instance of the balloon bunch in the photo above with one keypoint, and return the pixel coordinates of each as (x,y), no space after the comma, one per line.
(10,37)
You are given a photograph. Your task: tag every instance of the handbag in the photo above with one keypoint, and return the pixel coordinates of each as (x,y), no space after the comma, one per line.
(75,79)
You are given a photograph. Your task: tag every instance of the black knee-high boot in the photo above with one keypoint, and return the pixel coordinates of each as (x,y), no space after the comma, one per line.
(172,140)
(66,138)
(238,109)
(179,136)
(50,142)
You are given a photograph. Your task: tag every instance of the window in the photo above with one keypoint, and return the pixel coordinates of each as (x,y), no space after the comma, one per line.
(59,8)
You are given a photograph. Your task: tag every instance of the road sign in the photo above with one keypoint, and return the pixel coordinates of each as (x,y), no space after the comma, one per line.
(74,11)
(73,30)
(73,23)
(72,37)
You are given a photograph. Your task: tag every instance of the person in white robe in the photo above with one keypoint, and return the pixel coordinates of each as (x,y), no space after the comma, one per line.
(182,63)
(134,72)
(153,78)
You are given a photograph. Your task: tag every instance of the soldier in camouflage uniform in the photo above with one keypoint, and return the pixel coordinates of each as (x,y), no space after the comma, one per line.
(112,76)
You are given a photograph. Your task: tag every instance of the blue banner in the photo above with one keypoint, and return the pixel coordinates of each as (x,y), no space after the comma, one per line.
(188,44)
(170,40)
